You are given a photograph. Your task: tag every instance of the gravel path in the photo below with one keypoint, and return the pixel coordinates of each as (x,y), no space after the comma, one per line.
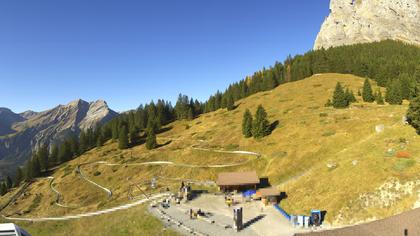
(95,213)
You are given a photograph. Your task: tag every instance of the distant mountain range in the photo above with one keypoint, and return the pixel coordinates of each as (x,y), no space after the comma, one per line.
(22,133)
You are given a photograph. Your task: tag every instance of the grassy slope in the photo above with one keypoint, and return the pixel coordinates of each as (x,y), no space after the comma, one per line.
(295,156)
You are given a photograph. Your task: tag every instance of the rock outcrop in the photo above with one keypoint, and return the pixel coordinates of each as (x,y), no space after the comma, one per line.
(29,130)
(363,21)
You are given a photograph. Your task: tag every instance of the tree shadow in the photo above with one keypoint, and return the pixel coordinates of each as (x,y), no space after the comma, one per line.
(164,129)
(274,125)
(164,144)
(253,220)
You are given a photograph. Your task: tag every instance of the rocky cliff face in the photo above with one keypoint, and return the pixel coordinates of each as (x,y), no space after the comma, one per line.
(363,21)
(51,126)
(7,119)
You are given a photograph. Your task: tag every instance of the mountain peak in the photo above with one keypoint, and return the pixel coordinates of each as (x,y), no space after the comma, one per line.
(364,21)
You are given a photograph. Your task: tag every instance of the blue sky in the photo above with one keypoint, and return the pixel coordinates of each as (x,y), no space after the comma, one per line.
(129,52)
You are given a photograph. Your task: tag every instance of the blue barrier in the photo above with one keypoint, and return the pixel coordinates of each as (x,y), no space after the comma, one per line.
(283,212)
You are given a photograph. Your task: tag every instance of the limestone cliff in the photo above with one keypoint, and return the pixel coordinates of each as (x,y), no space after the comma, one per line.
(363,21)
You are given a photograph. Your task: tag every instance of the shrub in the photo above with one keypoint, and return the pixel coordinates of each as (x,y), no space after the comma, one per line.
(96,173)
(323,114)
(328,133)
(403,164)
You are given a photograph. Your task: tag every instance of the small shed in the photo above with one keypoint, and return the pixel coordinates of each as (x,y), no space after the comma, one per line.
(239,181)
(269,195)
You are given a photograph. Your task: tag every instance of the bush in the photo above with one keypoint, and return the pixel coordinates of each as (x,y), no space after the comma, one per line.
(323,114)
(96,173)
(403,164)
(328,133)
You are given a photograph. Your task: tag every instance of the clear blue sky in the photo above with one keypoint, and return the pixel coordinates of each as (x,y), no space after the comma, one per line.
(129,52)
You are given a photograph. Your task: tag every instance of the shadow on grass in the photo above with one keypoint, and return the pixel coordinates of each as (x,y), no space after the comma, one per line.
(274,125)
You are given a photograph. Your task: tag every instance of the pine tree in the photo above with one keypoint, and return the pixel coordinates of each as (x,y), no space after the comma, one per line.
(367,93)
(53,158)
(339,97)
(350,96)
(9,182)
(260,126)
(36,168)
(28,170)
(378,98)
(393,93)
(64,152)
(18,177)
(123,138)
(151,139)
(247,124)
(42,155)
(230,104)
(413,114)
(100,140)
(3,189)
(83,142)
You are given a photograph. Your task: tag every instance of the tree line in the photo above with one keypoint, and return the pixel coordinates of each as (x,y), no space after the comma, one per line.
(390,63)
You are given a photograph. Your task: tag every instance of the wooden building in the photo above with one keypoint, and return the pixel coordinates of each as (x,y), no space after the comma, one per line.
(269,195)
(239,181)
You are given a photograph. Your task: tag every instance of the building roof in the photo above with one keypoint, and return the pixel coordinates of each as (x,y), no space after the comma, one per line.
(237,178)
(268,192)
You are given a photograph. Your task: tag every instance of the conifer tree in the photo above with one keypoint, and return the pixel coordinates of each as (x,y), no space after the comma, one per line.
(100,140)
(378,98)
(36,167)
(9,182)
(123,138)
(84,142)
(247,124)
(28,170)
(3,189)
(53,158)
(42,155)
(230,104)
(413,114)
(18,177)
(350,96)
(367,93)
(260,126)
(151,139)
(393,93)
(339,97)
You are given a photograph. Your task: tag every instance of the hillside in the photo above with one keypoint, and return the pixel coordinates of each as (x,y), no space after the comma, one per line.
(21,134)
(323,158)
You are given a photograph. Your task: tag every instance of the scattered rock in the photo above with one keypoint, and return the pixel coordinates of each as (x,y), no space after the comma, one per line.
(380,128)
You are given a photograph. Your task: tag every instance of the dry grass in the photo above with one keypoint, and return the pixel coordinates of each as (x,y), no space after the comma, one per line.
(295,155)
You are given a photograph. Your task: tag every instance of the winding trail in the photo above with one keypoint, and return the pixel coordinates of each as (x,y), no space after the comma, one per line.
(138,202)
(95,213)
(57,193)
